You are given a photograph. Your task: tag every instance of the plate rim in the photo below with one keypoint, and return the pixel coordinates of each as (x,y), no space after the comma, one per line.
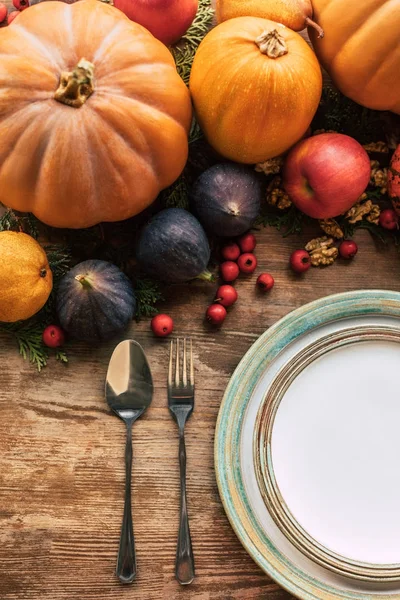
(228,473)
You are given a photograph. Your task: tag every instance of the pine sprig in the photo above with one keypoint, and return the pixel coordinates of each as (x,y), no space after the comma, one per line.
(28,335)
(176,195)
(147,295)
(289,221)
(186,49)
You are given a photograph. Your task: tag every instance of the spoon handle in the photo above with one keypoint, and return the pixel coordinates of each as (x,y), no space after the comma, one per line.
(184,567)
(126,562)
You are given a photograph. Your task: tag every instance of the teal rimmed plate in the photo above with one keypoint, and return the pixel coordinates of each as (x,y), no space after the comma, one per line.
(307,449)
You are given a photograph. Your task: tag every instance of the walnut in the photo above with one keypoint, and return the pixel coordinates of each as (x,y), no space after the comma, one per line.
(361,210)
(378,176)
(380,147)
(322,251)
(276,195)
(332,228)
(272,166)
(373,216)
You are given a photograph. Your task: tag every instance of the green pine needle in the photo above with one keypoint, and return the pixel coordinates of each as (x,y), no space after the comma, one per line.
(28,335)
(289,221)
(147,295)
(61,356)
(186,49)
(176,195)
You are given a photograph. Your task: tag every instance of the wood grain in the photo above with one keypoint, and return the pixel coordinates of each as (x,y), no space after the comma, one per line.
(61,451)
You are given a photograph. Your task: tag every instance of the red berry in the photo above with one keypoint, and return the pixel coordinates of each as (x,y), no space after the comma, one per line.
(216,314)
(300,261)
(21,4)
(53,336)
(389,219)
(162,325)
(229,270)
(265,282)
(247,242)
(348,249)
(3,12)
(226,295)
(247,263)
(12,16)
(230,252)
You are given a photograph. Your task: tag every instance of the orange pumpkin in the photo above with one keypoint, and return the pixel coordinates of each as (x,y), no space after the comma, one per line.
(256,86)
(93,116)
(361,49)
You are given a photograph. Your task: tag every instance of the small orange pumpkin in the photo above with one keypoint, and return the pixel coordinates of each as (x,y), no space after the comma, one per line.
(361,49)
(256,86)
(93,116)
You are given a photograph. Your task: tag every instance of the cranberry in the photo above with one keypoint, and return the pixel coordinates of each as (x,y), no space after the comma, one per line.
(230,252)
(162,325)
(247,263)
(21,4)
(12,16)
(226,295)
(216,314)
(3,12)
(300,261)
(53,336)
(265,282)
(247,242)
(389,219)
(229,270)
(348,249)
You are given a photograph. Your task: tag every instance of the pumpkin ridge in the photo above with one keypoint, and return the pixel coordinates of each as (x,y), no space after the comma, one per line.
(363,32)
(48,54)
(154,107)
(128,140)
(99,54)
(4,167)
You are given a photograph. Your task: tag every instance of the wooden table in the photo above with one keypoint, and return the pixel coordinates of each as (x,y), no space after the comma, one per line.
(62,453)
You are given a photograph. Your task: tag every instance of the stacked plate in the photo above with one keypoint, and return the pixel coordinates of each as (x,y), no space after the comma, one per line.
(308,448)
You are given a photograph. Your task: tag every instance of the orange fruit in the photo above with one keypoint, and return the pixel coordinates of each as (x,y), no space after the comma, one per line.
(25,276)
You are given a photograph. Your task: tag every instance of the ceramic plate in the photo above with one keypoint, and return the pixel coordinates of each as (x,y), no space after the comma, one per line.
(308,448)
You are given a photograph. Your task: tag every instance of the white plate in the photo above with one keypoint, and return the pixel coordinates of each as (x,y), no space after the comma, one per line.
(332,449)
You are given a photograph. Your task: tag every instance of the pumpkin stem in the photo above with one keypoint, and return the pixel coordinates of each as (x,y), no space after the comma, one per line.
(272,43)
(206,276)
(76,86)
(311,23)
(84,281)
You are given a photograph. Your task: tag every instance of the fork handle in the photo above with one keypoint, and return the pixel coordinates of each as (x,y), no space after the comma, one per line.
(126,562)
(184,566)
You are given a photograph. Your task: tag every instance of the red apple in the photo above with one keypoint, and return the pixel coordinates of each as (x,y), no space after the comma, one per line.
(325,175)
(167,20)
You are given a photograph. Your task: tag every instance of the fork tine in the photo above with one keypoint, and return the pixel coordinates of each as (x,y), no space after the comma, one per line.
(171,350)
(177,363)
(191,364)
(184,367)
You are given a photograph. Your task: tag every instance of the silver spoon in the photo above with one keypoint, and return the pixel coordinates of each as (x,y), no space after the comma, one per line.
(129,391)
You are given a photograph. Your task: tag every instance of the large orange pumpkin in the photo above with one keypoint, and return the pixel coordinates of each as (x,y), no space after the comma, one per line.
(93,116)
(255,85)
(361,49)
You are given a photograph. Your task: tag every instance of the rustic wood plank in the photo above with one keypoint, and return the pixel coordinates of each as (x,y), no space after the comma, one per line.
(61,452)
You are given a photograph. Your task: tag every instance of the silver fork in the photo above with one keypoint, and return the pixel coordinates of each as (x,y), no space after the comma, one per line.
(181,404)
